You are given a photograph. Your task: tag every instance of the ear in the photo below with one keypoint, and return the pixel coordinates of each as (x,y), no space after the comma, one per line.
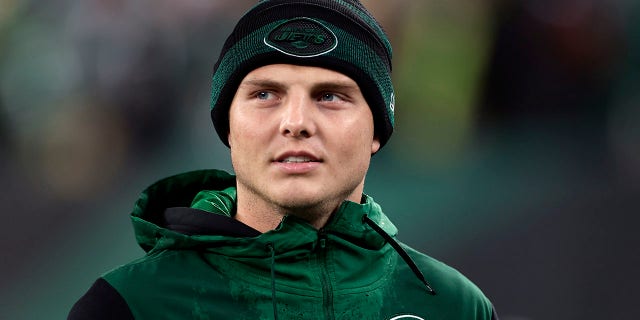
(229,139)
(375,145)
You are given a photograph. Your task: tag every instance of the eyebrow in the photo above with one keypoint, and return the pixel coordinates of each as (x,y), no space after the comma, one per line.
(338,85)
(262,83)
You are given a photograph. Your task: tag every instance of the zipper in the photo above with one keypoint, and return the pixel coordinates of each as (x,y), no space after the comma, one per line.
(327,288)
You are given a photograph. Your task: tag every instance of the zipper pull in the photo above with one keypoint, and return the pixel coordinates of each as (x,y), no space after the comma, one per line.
(322,239)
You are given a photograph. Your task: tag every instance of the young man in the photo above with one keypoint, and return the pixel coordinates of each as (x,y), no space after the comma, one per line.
(302,96)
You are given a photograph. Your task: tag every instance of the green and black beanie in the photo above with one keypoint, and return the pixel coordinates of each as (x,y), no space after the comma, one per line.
(340,35)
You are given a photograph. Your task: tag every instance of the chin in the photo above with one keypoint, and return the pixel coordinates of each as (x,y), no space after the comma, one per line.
(299,201)
(298,197)
(311,200)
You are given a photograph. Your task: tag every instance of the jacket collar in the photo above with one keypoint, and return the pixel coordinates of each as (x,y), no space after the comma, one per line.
(154,232)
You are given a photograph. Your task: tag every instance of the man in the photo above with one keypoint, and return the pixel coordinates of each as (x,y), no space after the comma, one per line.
(302,96)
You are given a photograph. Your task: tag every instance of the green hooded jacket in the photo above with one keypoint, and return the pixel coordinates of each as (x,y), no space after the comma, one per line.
(200,263)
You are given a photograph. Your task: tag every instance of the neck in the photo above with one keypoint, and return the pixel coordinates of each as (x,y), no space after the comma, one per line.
(263,220)
(265,213)
(265,216)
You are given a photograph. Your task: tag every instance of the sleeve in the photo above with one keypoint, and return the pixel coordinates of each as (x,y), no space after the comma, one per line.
(494,314)
(101,302)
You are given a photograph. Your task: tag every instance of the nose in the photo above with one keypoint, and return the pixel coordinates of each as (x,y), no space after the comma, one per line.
(297,117)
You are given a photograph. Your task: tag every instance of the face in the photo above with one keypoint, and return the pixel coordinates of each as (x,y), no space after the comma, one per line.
(301,139)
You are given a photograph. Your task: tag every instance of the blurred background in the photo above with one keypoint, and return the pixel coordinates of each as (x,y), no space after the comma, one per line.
(516,157)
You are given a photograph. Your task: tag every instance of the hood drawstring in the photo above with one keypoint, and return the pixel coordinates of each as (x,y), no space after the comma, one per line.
(405,256)
(272,250)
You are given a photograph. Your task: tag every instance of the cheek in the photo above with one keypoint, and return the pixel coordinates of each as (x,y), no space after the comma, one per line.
(355,144)
(240,129)
(246,136)
(360,133)
(248,123)
(233,130)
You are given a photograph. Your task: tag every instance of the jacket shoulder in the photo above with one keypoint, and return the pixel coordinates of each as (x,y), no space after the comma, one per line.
(453,290)
(100,302)
(170,284)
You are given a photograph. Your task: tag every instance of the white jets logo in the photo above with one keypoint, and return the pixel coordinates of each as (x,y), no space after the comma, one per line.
(406,316)
(392,107)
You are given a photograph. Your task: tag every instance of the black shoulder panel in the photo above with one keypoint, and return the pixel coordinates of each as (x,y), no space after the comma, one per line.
(101,302)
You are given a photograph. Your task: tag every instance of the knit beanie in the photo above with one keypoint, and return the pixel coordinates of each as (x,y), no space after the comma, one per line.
(339,35)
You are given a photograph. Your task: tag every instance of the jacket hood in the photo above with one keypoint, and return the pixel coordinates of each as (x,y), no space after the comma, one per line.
(196,209)
(191,216)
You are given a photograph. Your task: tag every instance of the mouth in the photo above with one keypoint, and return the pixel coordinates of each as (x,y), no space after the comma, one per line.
(297,163)
(297,157)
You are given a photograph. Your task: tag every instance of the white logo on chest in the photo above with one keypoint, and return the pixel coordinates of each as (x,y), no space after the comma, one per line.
(406,316)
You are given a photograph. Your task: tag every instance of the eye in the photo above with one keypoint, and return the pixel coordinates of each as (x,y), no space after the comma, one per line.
(329,97)
(264,95)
